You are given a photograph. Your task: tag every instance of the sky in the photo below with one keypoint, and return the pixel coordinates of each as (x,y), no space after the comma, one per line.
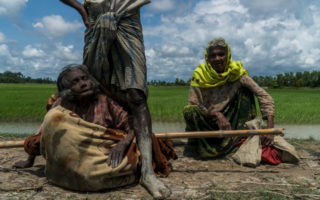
(39,37)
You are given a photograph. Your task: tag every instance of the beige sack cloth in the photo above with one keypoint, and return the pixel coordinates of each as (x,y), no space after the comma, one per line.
(249,153)
(75,150)
(288,152)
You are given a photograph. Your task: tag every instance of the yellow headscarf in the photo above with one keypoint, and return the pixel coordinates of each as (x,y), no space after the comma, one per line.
(204,76)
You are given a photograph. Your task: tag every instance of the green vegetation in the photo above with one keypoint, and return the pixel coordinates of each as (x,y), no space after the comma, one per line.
(13,136)
(18,77)
(292,106)
(298,79)
(166,102)
(288,79)
(296,106)
(26,102)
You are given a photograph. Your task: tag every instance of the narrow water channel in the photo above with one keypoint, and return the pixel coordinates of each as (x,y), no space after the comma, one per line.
(291,131)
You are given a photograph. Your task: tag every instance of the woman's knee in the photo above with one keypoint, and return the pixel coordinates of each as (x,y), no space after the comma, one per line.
(135,96)
(190,110)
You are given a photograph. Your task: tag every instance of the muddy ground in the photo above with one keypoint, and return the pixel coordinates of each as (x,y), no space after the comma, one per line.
(190,178)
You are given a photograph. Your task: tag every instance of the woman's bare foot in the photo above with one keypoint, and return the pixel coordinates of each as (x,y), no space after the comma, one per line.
(157,189)
(24,163)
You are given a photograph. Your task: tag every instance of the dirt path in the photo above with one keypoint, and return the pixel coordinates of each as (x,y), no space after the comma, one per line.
(190,179)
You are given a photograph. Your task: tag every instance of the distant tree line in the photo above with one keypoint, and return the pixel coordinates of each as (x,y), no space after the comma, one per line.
(18,77)
(290,79)
(177,82)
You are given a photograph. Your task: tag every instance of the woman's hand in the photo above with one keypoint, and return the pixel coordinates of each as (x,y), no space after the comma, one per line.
(25,163)
(84,15)
(268,139)
(80,8)
(223,123)
(117,152)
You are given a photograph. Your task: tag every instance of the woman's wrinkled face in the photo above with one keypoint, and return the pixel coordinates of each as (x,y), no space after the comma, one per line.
(80,83)
(217,57)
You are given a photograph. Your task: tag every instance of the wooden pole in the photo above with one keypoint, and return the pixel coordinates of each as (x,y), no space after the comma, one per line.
(11,144)
(194,134)
(219,133)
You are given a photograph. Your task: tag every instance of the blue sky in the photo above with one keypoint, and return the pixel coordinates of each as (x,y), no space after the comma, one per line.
(39,37)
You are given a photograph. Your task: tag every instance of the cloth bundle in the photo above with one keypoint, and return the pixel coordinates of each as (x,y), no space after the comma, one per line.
(251,153)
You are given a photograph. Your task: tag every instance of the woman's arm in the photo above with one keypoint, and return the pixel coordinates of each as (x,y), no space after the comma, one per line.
(196,98)
(116,154)
(265,100)
(266,104)
(120,121)
(80,8)
(222,121)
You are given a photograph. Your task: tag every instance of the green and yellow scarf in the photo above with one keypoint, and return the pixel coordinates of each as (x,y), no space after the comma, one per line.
(204,76)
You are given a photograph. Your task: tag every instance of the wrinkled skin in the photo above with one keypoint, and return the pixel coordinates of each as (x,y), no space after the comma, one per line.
(223,123)
(25,163)
(141,123)
(217,57)
(268,139)
(116,154)
(81,87)
(80,84)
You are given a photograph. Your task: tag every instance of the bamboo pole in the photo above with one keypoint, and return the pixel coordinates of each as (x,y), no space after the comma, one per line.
(194,134)
(219,133)
(11,144)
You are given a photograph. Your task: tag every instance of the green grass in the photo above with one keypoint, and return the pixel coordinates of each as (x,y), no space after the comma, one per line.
(13,136)
(26,102)
(292,106)
(296,106)
(166,103)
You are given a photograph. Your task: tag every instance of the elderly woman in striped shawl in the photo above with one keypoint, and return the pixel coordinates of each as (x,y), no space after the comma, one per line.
(87,140)
(222,97)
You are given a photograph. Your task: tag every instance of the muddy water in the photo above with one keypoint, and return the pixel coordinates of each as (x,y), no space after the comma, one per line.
(19,128)
(291,131)
(301,131)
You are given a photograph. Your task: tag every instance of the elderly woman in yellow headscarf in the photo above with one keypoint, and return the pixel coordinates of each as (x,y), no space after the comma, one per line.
(222,97)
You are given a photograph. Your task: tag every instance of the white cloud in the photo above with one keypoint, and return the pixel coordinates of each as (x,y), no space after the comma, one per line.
(7,59)
(2,38)
(31,52)
(267,36)
(66,53)
(38,60)
(282,40)
(219,7)
(11,8)
(4,50)
(55,26)
(55,57)
(162,5)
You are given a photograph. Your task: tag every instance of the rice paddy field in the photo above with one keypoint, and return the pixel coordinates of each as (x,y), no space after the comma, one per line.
(26,103)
